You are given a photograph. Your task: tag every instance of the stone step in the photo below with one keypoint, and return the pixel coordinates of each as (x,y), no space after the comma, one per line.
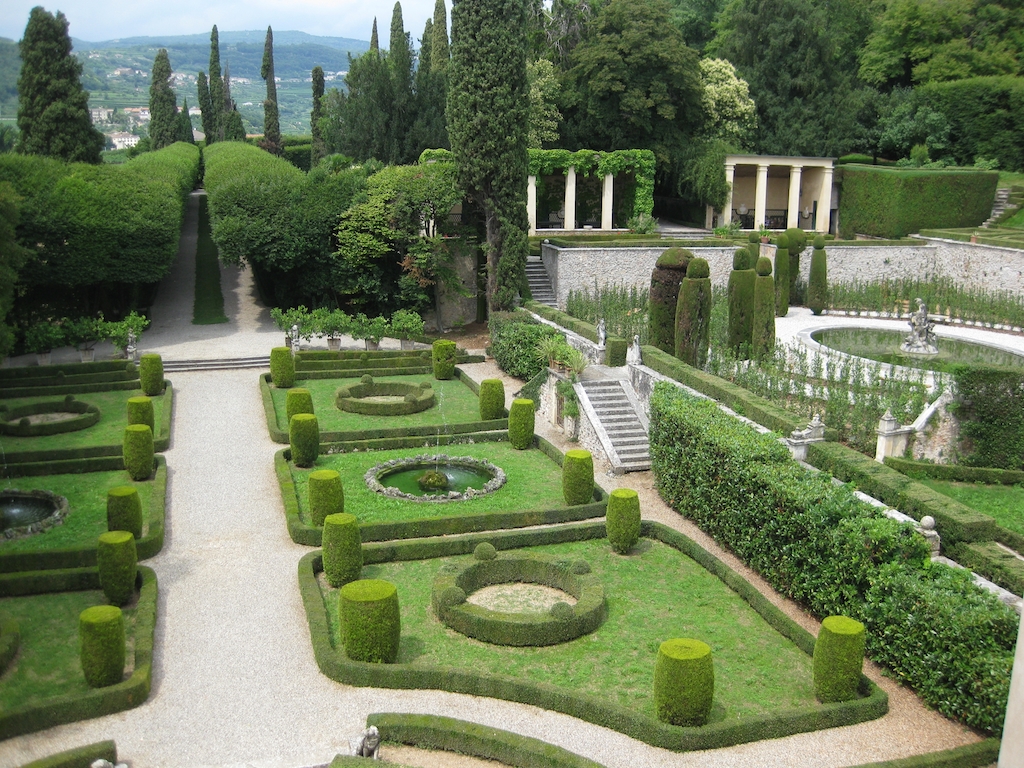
(216,364)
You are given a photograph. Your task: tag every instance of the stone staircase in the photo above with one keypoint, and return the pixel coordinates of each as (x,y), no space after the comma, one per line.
(1000,205)
(540,283)
(619,423)
(216,365)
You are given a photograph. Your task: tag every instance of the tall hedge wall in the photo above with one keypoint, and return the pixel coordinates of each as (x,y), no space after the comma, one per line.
(894,202)
(990,406)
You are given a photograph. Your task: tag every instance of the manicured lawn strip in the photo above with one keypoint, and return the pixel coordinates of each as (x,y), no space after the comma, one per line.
(73,543)
(598,676)
(45,686)
(102,439)
(208,305)
(1003,502)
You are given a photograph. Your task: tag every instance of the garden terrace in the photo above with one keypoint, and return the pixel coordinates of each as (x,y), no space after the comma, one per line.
(68,378)
(319,364)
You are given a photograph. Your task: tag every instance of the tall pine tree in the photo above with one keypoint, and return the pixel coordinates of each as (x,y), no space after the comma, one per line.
(216,132)
(399,61)
(205,105)
(440,55)
(319,149)
(271,122)
(231,124)
(53,109)
(374,42)
(185,125)
(430,129)
(164,128)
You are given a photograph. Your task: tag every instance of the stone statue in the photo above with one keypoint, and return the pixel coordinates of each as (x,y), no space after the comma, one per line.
(132,347)
(296,342)
(602,333)
(367,743)
(633,353)
(921,340)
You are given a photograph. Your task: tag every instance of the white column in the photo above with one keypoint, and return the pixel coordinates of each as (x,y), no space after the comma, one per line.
(531,202)
(760,195)
(795,179)
(730,176)
(1011,750)
(606,201)
(570,198)
(825,202)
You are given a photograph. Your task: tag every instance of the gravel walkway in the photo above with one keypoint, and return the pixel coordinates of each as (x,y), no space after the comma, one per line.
(235,681)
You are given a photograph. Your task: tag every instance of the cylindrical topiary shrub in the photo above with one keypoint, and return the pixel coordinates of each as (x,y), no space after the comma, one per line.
(666,277)
(117,561)
(623,519)
(304,437)
(578,477)
(124,510)
(151,374)
(797,245)
(754,246)
(101,636)
(443,355)
(521,423)
(762,336)
(817,285)
(371,627)
(492,399)
(297,400)
(684,682)
(741,302)
(782,276)
(693,314)
(137,450)
(326,495)
(140,411)
(282,367)
(342,549)
(838,659)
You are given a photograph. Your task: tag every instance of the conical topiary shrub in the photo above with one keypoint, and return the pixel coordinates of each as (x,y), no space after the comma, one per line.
(762,337)
(443,354)
(838,659)
(140,411)
(371,625)
(666,277)
(297,400)
(137,450)
(741,302)
(124,510)
(782,276)
(578,477)
(151,374)
(684,682)
(117,561)
(623,519)
(304,438)
(492,399)
(693,314)
(817,285)
(326,495)
(521,423)
(342,549)
(282,367)
(797,245)
(101,635)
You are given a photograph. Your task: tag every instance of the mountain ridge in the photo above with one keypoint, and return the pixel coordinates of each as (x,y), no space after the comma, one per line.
(281,39)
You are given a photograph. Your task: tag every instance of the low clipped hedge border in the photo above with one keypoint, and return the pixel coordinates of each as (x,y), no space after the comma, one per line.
(451,735)
(161,438)
(10,642)
(71,708)
(351,398)
(79,757)
(85,555)
(977,755)
(303,533)
(68,379)
(615,346)
(87,415)
(994,563)
(955,472)
(335,665)
(279,435)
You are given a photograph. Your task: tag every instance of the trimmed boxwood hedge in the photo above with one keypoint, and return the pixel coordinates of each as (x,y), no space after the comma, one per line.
(838,658)
(955,472)
(10,420)
(140,411)
(124,510)
(977,755)
(443,353)
(298,400)
(102,638)
(282,367)
(521,424)
(623,519)
(492,399)
(79,757)
(416,398)
(151,374)
(304,436)
(117,562)
(684,681)
(138,451)
(326,495)
(342,549)
(10,642)
(577,476)
(371,625)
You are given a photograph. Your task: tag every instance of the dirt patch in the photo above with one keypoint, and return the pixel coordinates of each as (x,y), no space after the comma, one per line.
(472,336)
(429,758)
(49,418)
(387,399)
(519,598)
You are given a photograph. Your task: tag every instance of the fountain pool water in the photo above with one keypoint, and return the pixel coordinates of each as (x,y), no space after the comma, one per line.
(23,513)
(883,345)
(466,478)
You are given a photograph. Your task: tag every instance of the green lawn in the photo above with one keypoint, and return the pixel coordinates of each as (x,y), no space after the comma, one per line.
(1003,502)
(653,595)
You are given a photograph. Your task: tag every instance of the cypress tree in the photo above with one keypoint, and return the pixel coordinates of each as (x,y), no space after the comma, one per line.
(374,43)
(817,285)
(399,61)
(741,303)
(164,128)
(763,333)
(185,124)
(271,122)
(693,314)
(216,128)
(666,277)
(439,52)
(12,256)
(53,109)
(429,129)
(488,115)
(782,276)
(319,150)
(205,105)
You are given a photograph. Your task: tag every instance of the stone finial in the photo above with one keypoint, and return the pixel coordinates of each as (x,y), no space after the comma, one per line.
(296,342)
(930,534)
(888,422)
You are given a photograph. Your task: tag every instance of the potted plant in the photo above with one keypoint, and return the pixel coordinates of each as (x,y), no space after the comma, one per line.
(41,338)
(370,329)
(405,324)
(286,319)
(126,332)
(84,333)
(331,323)
(550,350)
(764,233)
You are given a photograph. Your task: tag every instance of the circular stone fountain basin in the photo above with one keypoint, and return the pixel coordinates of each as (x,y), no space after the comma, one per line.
(467,477)
(23,513)
(48,418)
(883,345)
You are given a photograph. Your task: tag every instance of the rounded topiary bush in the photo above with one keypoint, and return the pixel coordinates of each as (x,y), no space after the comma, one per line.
(140,411)
(304,438)
(578,477)
(684,682)
(297,400)
(124,510)
(443,355)
(666,277)
(101,636)
(282,367)
(137,450)
(371,627)
(117,560)
(492,399)
(342,549)
(485,551)
(326,495)
(838,659)
(151,374)
(366,379)
(623,519)
(521,423)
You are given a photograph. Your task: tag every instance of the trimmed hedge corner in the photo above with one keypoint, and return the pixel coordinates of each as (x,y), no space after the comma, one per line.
(101,632)
(371,625)
(623,520)
(521,424)
(838,659)
(684,681)
(342,549)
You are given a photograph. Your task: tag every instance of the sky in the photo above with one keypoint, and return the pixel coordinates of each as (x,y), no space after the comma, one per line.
(96,21)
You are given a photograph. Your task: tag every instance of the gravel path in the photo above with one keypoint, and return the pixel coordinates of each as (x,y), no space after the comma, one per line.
(235,681)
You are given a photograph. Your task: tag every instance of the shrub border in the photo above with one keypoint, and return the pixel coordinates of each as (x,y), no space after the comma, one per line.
(336,666)
(955,472)
(615,346)
(977,755)
(85,416)
(71,708)
(351,398)
(79,757)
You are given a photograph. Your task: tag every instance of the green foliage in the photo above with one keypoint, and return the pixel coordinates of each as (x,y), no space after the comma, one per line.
(79,757)
(304,438)
(762,334)
(684,682)
(343,550)
(742,280)
(140,411)
(991,413)
(359,398)
(782,267)
(298,400)
(271,120)
(12,256)
(117,561)
(838,659)
(102,637)
(124,510)
(514,339)
(623,309)
(693,314)
(151,374)
(797,245)
(443,357)
(484,551)
(666,279)
(577,476)
(405,324)
(521,424)
(282,368)
(623,521)
(43,337)
(163,104)
(370,622)
(817,285)
(137,450)
(492,399)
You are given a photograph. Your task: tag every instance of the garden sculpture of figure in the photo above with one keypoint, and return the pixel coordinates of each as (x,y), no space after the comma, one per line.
(602,334)
(131,347)
(633,353)
(367,743)
(296,343)
(921,340)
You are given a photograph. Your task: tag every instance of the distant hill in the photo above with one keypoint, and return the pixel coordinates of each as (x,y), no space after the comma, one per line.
(255,37)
